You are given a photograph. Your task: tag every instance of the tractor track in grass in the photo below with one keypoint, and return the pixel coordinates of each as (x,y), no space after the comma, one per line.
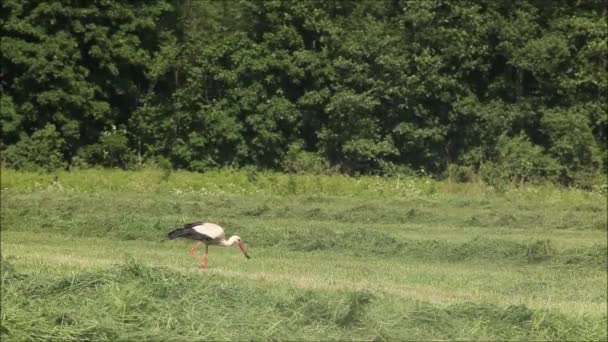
(262,278)
(91,254)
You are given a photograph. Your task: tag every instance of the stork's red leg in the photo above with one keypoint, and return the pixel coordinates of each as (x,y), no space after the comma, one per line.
(206,257)
(192,251)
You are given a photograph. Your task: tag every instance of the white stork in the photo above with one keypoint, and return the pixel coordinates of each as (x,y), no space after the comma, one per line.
(208,234)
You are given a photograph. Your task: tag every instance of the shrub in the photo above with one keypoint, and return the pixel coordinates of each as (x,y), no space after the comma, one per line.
(41,150)
(461,173)
(112,150)
(366,155)
(573,145)
(299,161)
(10,120)
(518,161)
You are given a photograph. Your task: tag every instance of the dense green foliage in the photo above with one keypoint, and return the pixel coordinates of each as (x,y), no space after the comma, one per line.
(371,259)
(511,91)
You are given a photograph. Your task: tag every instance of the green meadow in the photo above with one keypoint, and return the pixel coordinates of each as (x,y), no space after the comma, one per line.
(85,257)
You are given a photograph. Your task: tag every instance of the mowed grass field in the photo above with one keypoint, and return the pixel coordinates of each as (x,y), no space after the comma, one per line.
(84,257)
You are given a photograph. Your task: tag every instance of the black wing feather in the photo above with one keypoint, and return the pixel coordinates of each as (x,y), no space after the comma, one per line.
(193,224)
(188,232)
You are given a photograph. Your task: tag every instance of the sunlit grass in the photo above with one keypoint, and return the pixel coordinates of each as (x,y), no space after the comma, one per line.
(457,282)
(85,257)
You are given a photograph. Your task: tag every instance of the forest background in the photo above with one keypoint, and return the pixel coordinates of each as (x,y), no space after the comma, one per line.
(499,91)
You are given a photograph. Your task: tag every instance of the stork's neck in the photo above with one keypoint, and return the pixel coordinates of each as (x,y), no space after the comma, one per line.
(230,241)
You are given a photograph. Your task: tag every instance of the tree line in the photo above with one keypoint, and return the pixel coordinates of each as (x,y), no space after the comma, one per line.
(508,90)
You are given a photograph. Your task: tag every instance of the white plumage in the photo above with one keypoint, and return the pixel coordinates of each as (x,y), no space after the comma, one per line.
(212,230)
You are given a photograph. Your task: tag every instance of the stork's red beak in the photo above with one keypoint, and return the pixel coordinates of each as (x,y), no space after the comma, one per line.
(244,249)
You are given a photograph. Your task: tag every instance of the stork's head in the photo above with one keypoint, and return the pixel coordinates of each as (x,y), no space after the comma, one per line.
(236,240)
